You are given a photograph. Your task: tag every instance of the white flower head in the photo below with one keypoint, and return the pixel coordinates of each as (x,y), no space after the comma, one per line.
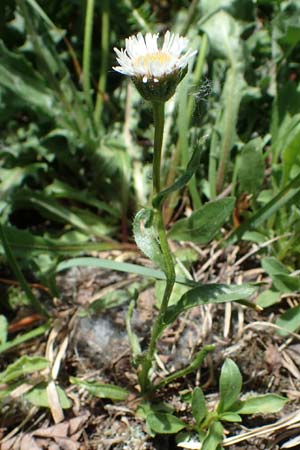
(155,71)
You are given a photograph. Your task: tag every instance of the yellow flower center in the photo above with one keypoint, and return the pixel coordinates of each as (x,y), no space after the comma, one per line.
(156,58)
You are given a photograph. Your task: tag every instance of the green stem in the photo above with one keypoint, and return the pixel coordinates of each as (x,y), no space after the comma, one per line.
(169,269)
(158,325)
(194,365)
(89,18)
(159,122)
(103,64)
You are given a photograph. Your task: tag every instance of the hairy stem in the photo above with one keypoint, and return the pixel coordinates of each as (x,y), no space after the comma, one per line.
(169,269)
(159,122)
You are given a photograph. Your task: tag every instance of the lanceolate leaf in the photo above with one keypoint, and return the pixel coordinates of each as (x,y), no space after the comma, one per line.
(181,182)
(198,405)
(22,367)
(203,225)
(101,390)
(146,237)
(205,294)
(262,404)
(230,385)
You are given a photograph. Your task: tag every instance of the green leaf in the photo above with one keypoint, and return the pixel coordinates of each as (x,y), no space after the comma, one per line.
(58,189)
(268,298)
(273,267)
(14,176)
(27,245)
(286,283)
(3,329)
(230,417)
(205,294)
(81,219)
(18,76)
(164,423)
(251,167)
(224,36)
(145,408)
(230,385)
(284,196)
(101,390)
(262,404)
(181,182)
(34,301)
(203,225)
(25,337)
(38,396)
(286,26)
(23,366)
(146,236)
(198,405)
(119,266)
(289,320)
(214,437)
(280,275)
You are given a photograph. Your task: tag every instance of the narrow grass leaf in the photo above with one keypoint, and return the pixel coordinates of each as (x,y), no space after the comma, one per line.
(119,266)
(18,76)
(25,244)
(101,390)
(32,334)
(81,219)
(3,329)
(280,200)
